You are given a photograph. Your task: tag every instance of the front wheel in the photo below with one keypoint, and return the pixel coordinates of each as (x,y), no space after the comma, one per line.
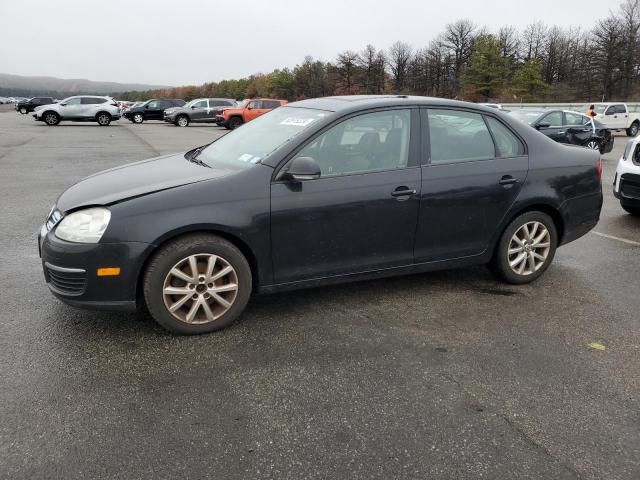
(632,131)
(23,111)
(138,118)
(234,123)
(103,119)
(51,118)
(631,209)
(182,121)
(526,248)
(197,284)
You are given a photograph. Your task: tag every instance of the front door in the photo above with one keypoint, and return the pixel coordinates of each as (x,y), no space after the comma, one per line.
(552,125)
(254,110)
(155,109)
(470,179)
(71,108)
(361,214)
(198,111)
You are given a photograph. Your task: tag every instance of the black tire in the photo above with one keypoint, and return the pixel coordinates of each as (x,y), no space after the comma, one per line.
(234,122)
(137,118)
(182,121)
(23,110)
(500,263)
(630,209)
(632,131)
(103,119)
(51,118)
(175,252)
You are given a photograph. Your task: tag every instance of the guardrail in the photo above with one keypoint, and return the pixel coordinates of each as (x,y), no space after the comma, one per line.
(632,106)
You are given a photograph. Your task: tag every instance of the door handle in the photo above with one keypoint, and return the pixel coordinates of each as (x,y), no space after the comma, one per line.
(560,132)
(507,180)
(403,192)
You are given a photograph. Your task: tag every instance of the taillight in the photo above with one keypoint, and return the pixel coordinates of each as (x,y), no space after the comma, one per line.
(600,168)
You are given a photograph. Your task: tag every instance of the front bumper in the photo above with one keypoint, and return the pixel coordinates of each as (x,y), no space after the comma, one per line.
(70,270)
(628,172)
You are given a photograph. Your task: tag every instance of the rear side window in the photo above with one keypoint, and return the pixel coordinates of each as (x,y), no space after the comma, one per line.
(270,104)
(92,100)
(457,136)
(507,144)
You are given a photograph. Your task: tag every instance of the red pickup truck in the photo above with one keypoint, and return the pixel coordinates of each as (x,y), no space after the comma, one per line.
(234,117)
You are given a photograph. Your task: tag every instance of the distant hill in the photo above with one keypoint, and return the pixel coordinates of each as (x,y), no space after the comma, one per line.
(17,85)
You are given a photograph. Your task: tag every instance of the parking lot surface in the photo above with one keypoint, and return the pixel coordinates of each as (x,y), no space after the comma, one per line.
(442,375)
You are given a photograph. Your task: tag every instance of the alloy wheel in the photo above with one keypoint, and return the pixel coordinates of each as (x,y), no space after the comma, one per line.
(634,130)
(23,111)
(103,119)
(182,121)
(137,118)
(529,248)
(51,119)
(200,288)
(592,144)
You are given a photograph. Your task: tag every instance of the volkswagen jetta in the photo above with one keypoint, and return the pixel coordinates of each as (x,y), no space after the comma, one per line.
(316,192)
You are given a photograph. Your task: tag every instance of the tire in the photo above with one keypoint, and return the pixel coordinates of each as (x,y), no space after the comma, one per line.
(234,122)
(632,131)
(502,261)
(182,121)
(137,118)
(51,118)
(631,209)
(103,119)
(24,111)
(159,277)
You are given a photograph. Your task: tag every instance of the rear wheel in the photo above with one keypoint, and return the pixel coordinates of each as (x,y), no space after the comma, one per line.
(593,145)
(103,119)
(234,122)
(631,209)
(632,131)
(197,284)
(51,118)
(138,118)
(526,248)
(182,121)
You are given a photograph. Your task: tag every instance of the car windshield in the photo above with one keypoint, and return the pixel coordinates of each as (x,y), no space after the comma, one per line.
(526,116)
(255,141)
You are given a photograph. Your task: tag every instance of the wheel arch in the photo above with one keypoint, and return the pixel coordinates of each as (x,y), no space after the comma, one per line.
(234,239)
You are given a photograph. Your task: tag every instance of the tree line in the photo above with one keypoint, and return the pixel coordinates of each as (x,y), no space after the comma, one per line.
(465,61)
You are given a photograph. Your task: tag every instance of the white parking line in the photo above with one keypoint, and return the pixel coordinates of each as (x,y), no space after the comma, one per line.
(612,237)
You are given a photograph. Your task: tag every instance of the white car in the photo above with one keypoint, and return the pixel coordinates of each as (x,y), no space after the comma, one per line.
(626,184)
(83,108)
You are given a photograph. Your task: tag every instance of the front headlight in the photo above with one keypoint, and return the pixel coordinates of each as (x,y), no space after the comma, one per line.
(84,226)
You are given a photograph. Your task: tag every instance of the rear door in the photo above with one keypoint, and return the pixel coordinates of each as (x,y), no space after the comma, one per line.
(552,125)
(473,169)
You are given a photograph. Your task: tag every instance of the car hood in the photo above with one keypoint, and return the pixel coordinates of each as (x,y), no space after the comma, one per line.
(135,180)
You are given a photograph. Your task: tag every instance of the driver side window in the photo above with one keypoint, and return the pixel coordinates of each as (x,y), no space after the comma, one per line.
(73,101)
(553,119)
(366,143)
(155,104)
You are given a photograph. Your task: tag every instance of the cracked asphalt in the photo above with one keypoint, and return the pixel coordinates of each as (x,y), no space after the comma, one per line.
(448,375)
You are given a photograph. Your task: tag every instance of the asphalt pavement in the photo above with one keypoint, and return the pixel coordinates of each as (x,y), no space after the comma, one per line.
(447,375)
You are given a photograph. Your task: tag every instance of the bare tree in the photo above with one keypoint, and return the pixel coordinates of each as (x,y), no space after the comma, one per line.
(347,69)
(533,40)
(372,63)
(399,56)
(459,37)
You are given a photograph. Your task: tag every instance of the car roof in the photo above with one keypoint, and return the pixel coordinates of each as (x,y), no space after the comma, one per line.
(348,103)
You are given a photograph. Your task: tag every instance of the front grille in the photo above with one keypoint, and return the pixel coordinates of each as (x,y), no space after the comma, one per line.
(66,281)
(630,186)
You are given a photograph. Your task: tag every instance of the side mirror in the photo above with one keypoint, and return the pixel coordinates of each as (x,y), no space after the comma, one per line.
(303,168)
(542,125)
(193,107)
(63,104)
(610,112)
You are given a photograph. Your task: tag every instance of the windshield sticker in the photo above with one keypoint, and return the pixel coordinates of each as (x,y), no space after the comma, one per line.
(297,122)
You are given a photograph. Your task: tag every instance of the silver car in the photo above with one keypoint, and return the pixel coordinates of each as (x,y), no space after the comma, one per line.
(82,108)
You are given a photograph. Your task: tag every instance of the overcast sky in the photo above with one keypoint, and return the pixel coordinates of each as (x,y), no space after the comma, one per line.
(178,42)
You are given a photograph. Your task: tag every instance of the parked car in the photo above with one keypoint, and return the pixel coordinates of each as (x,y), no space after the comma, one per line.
(218,112)
(152,109)
(319,192)
(83,108)
(565,126)
(234,117)
(200,110)
(626,183)
(618,117)
(30,105)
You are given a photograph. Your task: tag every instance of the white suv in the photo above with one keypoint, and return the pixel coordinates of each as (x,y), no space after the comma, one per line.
(82,108)
(626,184)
